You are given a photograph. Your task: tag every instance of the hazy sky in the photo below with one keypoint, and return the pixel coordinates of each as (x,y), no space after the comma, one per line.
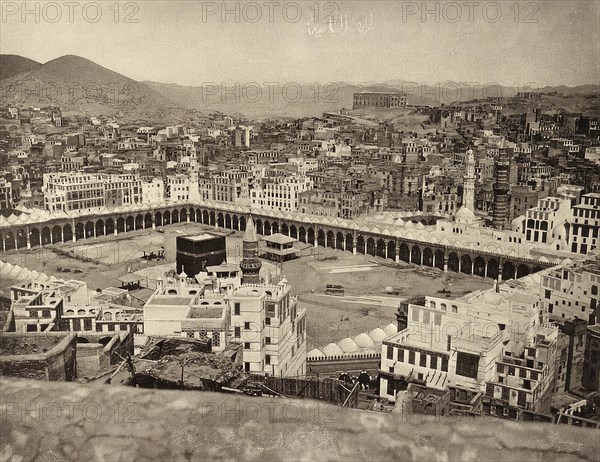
(190,42)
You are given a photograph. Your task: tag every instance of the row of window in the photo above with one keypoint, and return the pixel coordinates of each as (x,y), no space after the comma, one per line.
(432,361)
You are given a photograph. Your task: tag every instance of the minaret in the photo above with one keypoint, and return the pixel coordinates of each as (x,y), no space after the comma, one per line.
(501,190)
(250,264)
(469,183)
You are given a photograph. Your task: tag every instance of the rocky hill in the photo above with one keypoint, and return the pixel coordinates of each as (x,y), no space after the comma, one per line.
(81,87)
(14,64)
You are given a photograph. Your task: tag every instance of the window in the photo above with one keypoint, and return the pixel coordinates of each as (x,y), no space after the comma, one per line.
(467,365)
(216,339)
(390,352)
(433,363)
(445,363)
(268,340)
(246,345)
(422,360)
(246,367)
(400,358)
(236,309)
(246,325)
(411,357)
(415,315)
(267,359)
(237,332)
(390,387)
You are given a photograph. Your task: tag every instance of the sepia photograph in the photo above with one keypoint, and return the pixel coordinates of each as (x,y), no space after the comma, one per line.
(299,230)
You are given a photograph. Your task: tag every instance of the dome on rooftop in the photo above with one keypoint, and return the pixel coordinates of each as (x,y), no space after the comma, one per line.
(332,349)
(348,345)
(464,215)
(516,223)
(391,329)
(378,334)
(560,232)
(364,341)
(315,353)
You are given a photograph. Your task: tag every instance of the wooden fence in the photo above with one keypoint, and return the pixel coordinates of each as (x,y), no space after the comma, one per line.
(331,390)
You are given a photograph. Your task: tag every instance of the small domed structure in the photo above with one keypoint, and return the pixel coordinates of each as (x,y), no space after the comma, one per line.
(391,329)
(348,345)
(517,223)
(378,334)
(332,349)
(364,341)
(560,232)
(315,353)
(464,215)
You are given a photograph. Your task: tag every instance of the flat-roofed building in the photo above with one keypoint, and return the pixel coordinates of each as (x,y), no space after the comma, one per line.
(586,224)
(378,99)
(279,247)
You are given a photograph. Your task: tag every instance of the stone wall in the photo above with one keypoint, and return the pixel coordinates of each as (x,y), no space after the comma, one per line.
(64,422)
(38,356)
(93,358)
(89,356)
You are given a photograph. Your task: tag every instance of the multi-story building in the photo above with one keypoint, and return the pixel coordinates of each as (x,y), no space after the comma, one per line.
(177,187)
(586,224)
(185,308)
(266,319)
(76,191)
(6,195)
(571,290)
(280,193)
(548,222)
(465,342)
(232,186)
(153,190)
(122,189)
(73,191)
(242,137)
(528,380)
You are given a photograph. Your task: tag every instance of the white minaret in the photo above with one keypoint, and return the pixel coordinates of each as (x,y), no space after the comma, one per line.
(469,182)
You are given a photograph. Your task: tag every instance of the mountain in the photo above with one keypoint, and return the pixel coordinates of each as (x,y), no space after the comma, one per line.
(312,100)
(79,86)
(279,100)
(14,64)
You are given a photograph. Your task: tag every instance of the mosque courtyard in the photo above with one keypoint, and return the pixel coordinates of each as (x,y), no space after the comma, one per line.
(372,287)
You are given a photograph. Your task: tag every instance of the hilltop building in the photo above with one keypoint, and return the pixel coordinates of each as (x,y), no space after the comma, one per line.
(378,99)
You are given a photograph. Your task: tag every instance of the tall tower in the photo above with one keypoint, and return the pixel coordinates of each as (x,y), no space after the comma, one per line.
(250,264)
(469,183)
(501,190)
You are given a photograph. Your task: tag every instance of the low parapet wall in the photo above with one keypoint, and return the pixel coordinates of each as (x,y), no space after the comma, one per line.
(64,422)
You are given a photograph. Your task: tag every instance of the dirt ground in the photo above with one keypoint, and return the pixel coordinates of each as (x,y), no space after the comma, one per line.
(361,276)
